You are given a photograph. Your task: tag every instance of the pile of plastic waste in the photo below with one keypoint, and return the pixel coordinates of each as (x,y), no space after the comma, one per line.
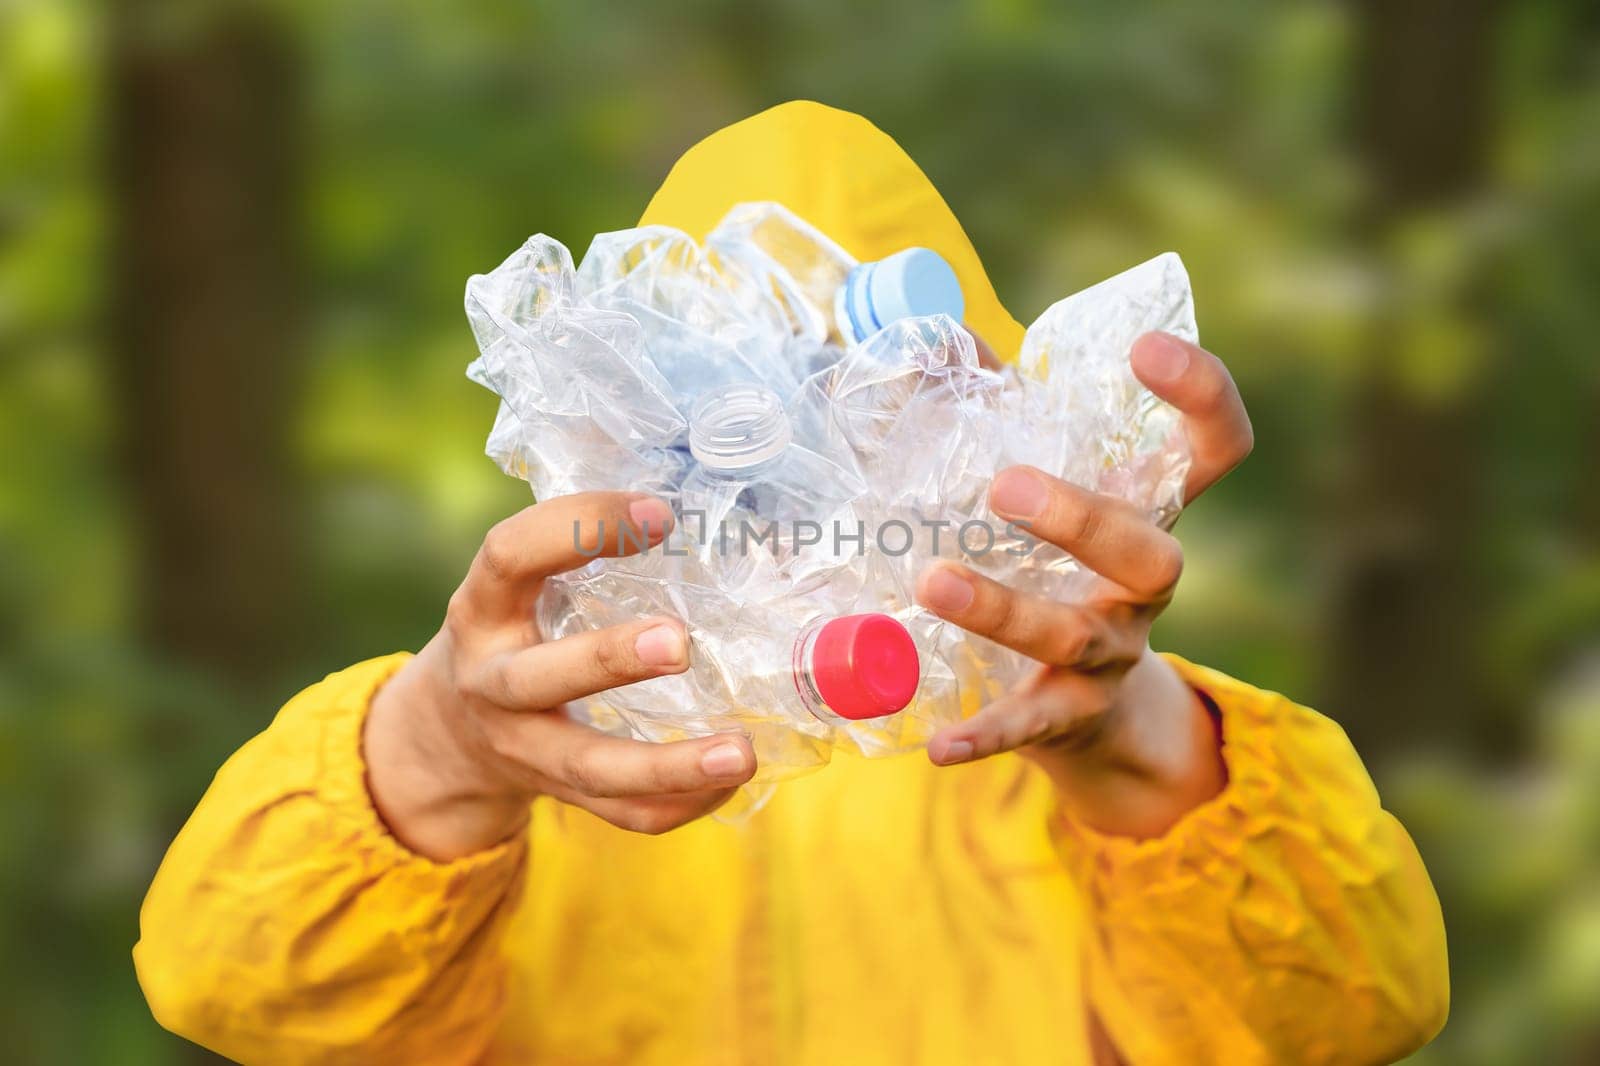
(823,429)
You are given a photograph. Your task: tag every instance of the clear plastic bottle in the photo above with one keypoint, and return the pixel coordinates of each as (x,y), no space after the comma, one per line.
(749,474)
(824,291)
(798,264)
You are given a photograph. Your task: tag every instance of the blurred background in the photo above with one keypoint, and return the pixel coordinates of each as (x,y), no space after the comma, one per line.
(241,453)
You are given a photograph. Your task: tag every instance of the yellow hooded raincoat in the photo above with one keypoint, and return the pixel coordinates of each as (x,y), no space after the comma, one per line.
(874,912)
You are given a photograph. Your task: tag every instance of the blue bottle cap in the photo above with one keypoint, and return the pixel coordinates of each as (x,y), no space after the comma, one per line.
(910,283)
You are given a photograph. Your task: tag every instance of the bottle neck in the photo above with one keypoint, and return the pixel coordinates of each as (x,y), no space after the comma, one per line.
(804,681)
(738,430)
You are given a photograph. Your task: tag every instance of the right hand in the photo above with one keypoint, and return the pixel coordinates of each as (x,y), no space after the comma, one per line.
(462,739)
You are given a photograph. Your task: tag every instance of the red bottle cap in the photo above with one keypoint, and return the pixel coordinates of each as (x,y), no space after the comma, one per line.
(865,666)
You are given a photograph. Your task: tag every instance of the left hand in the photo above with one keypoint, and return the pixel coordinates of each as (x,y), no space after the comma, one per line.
(1129,745)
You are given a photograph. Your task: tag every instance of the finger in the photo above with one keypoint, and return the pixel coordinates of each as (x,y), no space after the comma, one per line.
(1064,704)
(986,357)
(651,814)
(594,764)
(549,674)
(1057,633)
(554,536)
(1108,535)
(1197,384)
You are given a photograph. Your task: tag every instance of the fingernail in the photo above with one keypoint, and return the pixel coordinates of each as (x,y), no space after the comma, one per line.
(947,590)
(956,751)
(1161,358)
(660,646)
(1019,491)
(724,760)
(650,515)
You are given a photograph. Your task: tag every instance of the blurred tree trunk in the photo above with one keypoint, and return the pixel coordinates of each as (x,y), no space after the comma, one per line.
(204,331)
(1406,617)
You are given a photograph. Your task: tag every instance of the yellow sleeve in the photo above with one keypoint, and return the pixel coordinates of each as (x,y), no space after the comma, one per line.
(1288,920)
(286,926)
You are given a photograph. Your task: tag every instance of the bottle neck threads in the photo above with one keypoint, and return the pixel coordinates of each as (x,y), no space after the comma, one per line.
(737,428)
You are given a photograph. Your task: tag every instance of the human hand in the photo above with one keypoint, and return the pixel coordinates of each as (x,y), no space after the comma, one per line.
(470,731)
(1127,742)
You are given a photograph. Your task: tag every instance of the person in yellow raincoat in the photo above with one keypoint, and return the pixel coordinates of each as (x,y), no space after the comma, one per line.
(1131,859)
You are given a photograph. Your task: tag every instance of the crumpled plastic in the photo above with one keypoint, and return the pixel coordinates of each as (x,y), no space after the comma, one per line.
(598,366)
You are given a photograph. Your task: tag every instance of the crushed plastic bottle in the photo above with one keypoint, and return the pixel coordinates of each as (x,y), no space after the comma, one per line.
(767,377)
(827,295)
(749,467)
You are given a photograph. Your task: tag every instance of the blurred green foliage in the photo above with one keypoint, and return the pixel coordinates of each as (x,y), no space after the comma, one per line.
(1073,140)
